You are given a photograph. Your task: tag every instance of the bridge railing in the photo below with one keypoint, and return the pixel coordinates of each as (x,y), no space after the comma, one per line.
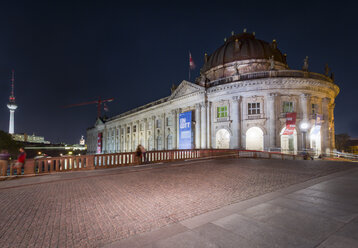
(98,161)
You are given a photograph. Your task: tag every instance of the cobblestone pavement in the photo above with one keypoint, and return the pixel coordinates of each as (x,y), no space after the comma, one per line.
(92,209)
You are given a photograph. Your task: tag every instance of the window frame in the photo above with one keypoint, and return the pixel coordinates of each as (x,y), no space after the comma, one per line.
(222,111)
(253,107)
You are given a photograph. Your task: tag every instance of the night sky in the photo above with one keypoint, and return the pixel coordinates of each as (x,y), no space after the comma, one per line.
(72,52)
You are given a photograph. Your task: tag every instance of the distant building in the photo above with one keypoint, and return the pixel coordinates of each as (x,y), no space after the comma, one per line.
(30,138)
(246,97)
(82,141)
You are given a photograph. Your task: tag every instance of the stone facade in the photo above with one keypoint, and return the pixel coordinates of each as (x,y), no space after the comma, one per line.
(232,108)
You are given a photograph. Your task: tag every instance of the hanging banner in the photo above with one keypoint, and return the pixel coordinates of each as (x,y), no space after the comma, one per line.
(185,132)
(317,127)
(99,143)
(290,123)
(291,119)
(318,120)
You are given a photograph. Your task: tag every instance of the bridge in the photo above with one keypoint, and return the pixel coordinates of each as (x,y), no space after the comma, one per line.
(191,198)
(101,161)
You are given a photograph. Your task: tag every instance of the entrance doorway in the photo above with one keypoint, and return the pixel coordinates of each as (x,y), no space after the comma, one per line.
(288,142)
(254,139)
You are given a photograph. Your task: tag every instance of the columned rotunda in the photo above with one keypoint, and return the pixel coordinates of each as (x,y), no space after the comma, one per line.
(246,98)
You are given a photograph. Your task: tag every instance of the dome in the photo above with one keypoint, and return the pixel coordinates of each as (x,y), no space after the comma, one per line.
(240,47)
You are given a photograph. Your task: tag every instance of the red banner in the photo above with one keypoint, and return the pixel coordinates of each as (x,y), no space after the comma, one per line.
(290,123)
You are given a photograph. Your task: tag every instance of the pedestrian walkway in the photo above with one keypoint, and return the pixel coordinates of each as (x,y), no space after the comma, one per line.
(322,212)
(226,202)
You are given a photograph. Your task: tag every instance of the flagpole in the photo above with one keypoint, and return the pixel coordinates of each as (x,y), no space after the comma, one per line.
(189,73)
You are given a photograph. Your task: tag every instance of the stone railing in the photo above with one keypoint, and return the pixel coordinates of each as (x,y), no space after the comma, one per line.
(270,74)
(99,161)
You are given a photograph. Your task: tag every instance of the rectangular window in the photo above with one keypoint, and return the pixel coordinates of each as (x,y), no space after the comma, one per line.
(169,121)
(128,129)
(134,128)
(141,127)
(159,123)
(150,125)
(287,107)
(314,108)
(221,111)
(254,108)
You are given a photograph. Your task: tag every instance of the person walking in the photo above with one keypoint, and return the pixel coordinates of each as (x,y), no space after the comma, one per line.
(138,154)
(20,161)
(4,161)
(143,151)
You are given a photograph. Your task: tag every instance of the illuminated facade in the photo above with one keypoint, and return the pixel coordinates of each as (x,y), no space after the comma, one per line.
(240,100)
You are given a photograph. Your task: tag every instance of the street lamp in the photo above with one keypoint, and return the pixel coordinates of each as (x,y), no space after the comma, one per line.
(304,127)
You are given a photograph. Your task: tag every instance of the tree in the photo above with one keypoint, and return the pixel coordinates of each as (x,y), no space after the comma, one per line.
(7,142)
(341,141)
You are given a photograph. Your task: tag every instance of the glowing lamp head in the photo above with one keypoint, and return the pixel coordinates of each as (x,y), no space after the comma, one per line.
(304,126)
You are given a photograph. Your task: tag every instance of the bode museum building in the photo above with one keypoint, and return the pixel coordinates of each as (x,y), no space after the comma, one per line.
(246,97)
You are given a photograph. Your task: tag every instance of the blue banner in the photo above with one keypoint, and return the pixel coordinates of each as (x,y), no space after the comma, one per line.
(185,133)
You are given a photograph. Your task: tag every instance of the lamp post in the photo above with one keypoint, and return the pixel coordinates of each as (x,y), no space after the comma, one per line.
(304,126)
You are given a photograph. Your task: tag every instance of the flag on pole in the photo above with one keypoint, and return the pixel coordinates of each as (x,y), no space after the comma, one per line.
(105,108)
(191,62)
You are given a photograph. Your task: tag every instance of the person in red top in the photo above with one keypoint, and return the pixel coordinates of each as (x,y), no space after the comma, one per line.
(20,160)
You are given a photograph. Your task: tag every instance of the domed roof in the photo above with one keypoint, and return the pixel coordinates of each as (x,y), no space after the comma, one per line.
(243,46)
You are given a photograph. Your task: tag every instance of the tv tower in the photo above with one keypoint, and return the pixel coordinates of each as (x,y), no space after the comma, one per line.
(12,105)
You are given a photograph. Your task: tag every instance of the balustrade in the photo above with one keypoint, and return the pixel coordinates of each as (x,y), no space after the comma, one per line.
(99,161)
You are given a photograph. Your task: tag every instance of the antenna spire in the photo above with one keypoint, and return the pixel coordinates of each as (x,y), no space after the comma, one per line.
(12,96)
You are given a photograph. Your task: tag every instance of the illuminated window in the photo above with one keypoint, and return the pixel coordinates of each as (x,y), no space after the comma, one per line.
(221,111)
(287,107)
(253,108)
(314,108)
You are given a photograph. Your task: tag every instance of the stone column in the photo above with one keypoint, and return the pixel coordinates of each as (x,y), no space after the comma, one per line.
(138,132)
(208,126)
(235,118)
(178,111)
(104,141)
(145,133)
(271,108)
(124,148)
(174,131)
(119,145)
(203,125)
(197,126)
(163,133)
(325,133)
(304,99)
(331,126)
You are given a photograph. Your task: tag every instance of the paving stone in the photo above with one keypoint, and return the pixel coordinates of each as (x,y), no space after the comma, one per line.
(315,228)
(222,237)
(318,201)
(335,241)
(261,234)
(315,209)
(349,230)
(100,207)
(187,239)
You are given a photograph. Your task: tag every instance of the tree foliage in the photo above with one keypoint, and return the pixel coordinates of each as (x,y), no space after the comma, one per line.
(341,141)
(7,142)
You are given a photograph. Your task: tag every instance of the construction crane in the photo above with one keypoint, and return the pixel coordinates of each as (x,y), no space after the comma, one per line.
(98,102)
